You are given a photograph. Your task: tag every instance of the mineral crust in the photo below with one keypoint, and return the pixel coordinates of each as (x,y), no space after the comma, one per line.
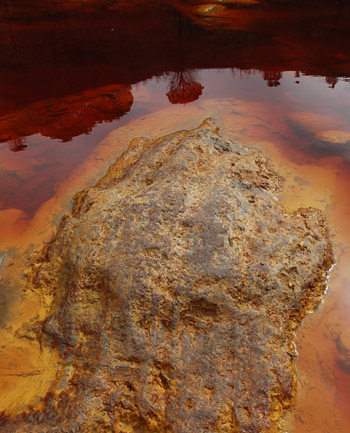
(176,284)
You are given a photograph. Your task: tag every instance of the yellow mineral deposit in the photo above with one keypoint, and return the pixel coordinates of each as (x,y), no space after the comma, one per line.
(334,136)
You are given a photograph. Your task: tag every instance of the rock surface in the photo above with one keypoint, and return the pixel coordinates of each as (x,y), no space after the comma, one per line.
(175,286)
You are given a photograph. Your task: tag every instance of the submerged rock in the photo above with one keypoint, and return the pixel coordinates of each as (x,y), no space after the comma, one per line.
(343,346)
(176,283)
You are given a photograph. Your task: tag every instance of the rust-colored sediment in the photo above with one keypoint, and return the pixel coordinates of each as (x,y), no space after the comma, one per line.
(323,186)
(173,346)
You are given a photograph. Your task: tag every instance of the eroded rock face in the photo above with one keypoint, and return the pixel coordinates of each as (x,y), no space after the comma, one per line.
(177,282)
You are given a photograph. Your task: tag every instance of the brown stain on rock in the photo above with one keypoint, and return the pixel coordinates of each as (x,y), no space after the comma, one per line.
(173,291)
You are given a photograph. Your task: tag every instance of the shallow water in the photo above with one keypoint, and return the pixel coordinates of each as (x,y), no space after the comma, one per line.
(61,129)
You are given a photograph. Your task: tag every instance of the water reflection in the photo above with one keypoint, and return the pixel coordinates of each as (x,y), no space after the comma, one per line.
(332,81)
(73,115)
(183,87)
(64,75)
(18,144)
(46,52)
(65,118)
(273,78)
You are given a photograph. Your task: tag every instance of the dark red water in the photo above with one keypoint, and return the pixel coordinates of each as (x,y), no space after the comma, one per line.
(79,80)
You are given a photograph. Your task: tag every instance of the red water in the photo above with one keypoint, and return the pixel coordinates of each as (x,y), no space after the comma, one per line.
(75,90)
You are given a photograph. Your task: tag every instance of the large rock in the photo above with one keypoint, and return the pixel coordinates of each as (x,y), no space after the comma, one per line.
(177,283)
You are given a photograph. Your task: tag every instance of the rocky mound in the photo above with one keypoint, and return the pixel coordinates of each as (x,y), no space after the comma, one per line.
(177,282)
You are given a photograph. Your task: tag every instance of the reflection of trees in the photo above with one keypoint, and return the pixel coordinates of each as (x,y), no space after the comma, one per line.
(67,117)
(332,81)
(272,78)
(183,87)
(18,144)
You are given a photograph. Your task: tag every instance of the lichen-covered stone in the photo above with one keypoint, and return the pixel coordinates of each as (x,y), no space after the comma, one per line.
(177,283)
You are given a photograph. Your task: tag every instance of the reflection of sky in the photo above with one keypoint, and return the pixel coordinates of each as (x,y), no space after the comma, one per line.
(311,94)
(293,94)
(45,162)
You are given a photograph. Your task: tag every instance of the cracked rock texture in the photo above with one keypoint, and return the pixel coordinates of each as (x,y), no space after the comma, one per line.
(176,284)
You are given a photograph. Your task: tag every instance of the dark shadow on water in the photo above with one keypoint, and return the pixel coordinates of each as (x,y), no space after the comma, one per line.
(58,51)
